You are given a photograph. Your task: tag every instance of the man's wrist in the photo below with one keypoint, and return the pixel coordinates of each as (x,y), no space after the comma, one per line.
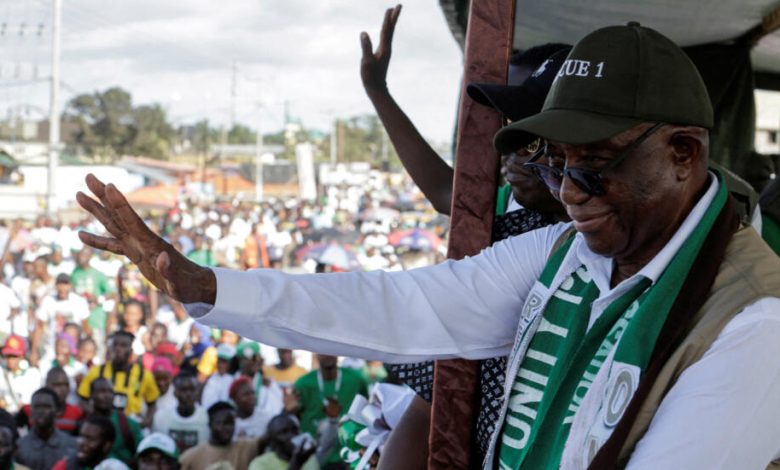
(208,291)
(377,93)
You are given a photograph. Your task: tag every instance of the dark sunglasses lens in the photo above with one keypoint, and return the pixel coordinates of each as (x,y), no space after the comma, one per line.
(549,176)
(588,181)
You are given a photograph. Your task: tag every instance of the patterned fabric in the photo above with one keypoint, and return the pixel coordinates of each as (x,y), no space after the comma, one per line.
(419,376)
(518,222)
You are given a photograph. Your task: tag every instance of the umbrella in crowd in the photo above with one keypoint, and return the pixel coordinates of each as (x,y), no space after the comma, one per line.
(341,256)
(333,234)
(415,239)
(379,214)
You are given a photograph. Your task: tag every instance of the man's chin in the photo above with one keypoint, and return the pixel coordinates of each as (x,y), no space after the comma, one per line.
(597,244)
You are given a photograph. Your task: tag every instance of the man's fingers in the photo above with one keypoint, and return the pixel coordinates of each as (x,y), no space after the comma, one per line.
(117,203)
(95,208)
(95,185)
(102,243)
(384,39)
(388,28)
(365,44)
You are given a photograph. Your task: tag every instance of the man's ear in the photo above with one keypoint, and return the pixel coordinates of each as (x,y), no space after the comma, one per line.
(689,146)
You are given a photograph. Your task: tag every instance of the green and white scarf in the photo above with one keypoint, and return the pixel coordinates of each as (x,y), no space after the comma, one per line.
(564,356)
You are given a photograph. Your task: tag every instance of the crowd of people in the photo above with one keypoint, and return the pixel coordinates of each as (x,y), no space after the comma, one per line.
(101,370)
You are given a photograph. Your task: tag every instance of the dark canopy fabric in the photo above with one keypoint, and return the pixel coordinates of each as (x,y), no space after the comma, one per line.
(728,74)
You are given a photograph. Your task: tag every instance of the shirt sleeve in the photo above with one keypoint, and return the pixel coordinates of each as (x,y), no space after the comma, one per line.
(723,410)
(467,308)
(43,313)
(81,309)
(86,383)
(149,391)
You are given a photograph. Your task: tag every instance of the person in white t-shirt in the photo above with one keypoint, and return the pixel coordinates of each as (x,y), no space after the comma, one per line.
(64,306)
(253,412)
(178,322)
(217,386)
(187,423)
(10,306)
(21,284)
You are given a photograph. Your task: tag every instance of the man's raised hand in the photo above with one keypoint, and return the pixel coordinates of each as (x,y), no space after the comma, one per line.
(170,271)
(373,66)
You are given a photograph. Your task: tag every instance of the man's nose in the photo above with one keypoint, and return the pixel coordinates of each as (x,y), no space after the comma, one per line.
(571,194)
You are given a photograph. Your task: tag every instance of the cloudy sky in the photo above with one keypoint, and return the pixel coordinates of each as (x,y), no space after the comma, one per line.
(180,52)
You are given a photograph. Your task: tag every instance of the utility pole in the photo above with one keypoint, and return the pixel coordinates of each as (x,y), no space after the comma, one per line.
(226,130)
(233,93)
(54,112)
(259,156)
(334,141)
(385,150)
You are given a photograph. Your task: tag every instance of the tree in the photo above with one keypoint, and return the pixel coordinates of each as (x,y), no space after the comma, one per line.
(109,126)
(241,134)
(150,133)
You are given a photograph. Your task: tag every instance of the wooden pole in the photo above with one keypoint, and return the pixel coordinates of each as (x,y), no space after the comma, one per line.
(488,47)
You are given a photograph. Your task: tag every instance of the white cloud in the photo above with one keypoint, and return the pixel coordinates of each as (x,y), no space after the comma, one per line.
(306,52)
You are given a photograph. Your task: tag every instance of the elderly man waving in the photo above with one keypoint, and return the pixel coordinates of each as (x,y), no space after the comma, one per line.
(647,336)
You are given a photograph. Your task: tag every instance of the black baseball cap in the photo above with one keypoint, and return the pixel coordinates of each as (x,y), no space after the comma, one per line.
(517,102)
(614,79)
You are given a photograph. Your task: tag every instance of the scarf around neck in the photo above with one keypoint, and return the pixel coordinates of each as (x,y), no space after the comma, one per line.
(564,356)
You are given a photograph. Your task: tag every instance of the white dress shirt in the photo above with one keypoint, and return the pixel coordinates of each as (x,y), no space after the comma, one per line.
(722,413)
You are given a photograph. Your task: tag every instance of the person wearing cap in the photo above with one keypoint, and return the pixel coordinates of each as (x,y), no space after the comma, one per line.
(19,380)
(217,387)
(522,204)
(163,372)
(514,100)
(641,334)
(157,451)
(60,307)
(186,422)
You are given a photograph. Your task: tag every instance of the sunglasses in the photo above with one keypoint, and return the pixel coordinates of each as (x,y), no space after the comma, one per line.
(590,181)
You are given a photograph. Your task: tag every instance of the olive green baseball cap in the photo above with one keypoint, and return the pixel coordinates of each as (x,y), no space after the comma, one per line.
(614,79)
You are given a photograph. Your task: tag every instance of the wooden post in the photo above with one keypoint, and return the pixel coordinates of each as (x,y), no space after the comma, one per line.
(488,47)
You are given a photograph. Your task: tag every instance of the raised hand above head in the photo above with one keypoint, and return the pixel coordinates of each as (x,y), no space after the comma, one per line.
(166,268)
(373,66)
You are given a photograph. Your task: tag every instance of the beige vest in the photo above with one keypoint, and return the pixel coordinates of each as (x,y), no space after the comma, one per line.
(749,272)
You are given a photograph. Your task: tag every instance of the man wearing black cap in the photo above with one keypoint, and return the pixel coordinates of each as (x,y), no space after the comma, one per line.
(647,339)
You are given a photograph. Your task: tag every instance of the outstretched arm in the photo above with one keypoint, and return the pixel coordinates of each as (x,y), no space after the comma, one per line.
(425,166)
(166,268)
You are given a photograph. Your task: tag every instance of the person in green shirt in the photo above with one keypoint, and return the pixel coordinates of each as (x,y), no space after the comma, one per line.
(201,253)
(88,280)
(283,453)
(128,431)
(327,393)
